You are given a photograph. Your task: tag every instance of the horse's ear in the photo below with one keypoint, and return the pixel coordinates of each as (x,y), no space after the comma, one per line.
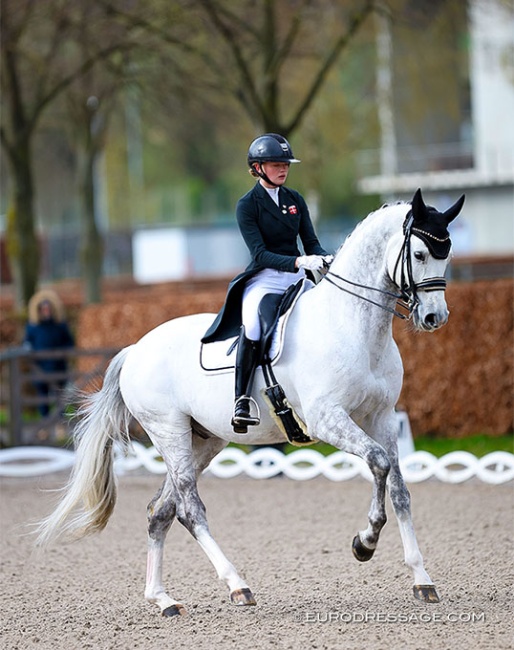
(419,209)
(454,210)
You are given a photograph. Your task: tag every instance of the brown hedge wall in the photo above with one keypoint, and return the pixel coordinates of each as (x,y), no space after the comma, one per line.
(458,381)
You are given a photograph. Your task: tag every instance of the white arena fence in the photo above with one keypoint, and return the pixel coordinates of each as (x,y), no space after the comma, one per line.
(301,465)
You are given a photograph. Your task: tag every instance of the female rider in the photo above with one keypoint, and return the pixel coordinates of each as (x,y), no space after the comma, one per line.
(271,217)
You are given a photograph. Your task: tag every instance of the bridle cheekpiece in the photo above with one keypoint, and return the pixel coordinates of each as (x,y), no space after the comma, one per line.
(407,298)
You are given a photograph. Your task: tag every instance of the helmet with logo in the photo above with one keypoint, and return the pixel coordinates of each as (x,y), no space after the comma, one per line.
(270,147)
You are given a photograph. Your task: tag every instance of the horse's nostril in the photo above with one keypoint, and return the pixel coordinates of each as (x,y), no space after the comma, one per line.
(431,320)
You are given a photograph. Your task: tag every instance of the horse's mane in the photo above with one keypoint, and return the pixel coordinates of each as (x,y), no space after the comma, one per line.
(373,215)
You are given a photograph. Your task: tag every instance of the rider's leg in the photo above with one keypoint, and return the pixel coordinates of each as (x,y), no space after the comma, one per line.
(264,282)
(247,360)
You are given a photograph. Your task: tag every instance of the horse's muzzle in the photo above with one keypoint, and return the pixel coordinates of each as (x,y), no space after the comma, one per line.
(430,321)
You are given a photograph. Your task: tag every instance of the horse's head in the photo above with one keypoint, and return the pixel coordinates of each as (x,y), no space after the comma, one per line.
(419,268)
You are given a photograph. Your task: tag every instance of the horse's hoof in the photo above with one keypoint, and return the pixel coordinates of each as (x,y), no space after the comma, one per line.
(426,593)
(361,552)
(242,597)
(175,610)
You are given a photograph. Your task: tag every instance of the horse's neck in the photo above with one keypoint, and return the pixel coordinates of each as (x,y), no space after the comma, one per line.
(363,256)
(362,260)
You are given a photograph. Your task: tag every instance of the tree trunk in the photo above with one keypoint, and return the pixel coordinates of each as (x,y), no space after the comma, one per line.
(22,244)
(92,247)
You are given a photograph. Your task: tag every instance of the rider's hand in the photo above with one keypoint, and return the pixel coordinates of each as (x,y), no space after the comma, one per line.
(310,262)
(327,260)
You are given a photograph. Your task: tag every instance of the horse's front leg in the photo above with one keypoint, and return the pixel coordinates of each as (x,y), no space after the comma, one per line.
(335,426)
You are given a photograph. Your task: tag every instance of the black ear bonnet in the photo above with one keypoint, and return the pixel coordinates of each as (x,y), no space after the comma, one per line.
(434,233)
(431,226)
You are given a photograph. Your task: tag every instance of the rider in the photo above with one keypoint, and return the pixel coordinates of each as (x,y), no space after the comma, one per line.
(270,217)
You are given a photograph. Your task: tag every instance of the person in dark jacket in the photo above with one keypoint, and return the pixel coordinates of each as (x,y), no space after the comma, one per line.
(271,218)
(47,330)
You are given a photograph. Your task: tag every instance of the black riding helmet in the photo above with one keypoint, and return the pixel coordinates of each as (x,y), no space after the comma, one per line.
(270,147)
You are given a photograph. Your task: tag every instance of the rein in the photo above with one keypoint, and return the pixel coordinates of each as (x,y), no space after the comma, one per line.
(399,297)
(407,298)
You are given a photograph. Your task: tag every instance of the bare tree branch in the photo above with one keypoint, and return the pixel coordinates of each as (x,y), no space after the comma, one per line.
(357,20)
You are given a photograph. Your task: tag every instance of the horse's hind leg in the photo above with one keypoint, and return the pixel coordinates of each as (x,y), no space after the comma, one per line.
(423,588)
(179,497)
(192,515)
(400,498)
(161,513)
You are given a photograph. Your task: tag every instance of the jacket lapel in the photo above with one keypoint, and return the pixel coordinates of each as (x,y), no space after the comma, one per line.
(287,212)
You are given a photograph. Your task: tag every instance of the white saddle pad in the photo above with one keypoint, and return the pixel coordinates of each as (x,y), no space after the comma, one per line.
(220,356)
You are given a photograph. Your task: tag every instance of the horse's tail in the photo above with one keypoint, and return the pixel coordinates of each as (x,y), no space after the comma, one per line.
(90,494)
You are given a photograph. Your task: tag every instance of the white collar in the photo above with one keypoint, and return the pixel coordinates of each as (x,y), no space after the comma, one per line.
(273,192)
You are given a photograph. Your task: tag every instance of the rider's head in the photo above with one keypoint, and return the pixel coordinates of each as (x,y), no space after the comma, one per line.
(269,148)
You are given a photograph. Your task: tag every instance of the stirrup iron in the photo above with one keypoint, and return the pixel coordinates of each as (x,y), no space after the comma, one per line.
(242,421)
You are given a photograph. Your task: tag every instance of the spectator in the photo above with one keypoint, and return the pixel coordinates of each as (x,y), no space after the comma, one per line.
(47,330)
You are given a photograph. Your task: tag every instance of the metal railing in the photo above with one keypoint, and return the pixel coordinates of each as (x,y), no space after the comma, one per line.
(20,422)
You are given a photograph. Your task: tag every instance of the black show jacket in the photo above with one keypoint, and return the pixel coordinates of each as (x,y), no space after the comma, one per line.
(271,233)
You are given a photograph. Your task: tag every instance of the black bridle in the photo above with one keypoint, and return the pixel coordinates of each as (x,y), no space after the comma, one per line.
(408,296)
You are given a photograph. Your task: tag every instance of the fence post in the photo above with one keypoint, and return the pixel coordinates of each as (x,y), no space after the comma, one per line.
(15,415)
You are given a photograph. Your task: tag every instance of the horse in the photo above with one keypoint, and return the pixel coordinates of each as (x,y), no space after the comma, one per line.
(339,367)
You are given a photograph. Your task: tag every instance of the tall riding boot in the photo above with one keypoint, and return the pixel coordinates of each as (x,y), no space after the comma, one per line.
(246,363)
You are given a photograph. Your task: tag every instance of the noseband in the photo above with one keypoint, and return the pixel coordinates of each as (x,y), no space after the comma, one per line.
(408,296)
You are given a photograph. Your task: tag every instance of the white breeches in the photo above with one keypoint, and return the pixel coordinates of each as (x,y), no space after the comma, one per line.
(265,281)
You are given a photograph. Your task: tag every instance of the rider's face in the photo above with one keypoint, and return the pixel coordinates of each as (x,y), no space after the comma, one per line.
(276,171)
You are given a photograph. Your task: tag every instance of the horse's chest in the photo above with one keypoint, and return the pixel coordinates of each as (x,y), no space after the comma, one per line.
(375,381)
(378,389)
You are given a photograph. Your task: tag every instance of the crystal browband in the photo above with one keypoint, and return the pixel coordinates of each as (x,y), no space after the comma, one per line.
(428,234)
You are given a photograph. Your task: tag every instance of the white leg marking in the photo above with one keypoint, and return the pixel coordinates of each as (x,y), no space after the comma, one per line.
(225,570)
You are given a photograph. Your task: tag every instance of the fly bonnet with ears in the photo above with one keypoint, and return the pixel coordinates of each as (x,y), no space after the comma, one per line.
(431,226)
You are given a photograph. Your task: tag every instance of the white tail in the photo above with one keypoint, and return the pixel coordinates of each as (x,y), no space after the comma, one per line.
(90,494)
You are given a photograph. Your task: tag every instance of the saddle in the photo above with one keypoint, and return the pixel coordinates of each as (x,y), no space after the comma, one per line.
(274,310)
(218,357)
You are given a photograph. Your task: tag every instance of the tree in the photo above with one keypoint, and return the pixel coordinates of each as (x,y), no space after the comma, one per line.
(38,65)
(91,99)
(251,51)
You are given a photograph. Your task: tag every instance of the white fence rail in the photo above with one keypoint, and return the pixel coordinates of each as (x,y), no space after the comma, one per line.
(456,467)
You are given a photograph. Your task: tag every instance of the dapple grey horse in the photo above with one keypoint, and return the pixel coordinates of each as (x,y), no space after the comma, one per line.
(339,367)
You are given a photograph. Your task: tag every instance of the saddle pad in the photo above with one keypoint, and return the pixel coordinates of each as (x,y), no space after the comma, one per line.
(214,357)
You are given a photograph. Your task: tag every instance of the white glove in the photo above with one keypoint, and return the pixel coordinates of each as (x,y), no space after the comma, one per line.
(310,262)
(328,259)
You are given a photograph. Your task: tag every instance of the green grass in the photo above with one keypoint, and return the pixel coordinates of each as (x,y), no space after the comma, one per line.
(478,445)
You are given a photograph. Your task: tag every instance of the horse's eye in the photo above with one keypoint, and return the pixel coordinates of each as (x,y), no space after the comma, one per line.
(419,256)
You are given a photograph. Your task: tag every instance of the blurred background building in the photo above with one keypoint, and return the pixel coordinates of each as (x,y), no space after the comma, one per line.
(474,151)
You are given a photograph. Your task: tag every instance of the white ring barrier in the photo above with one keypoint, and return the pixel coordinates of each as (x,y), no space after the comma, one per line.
(34,461)
(301,465)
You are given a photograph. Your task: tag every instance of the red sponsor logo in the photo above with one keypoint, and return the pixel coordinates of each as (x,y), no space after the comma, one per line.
(292,209)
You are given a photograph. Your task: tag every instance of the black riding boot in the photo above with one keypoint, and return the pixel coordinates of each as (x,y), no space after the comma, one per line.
(246,362)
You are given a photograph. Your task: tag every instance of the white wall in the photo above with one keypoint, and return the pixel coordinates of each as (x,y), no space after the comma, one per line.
(492,84)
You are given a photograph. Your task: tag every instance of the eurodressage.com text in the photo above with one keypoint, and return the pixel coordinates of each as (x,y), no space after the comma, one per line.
(389,617)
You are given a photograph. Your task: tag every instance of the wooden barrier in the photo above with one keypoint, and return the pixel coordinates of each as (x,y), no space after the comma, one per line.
(19,401)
